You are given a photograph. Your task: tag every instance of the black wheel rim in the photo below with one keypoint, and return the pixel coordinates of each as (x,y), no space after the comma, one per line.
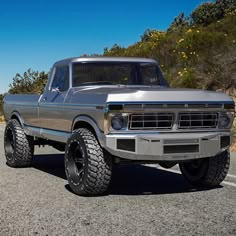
(196,169)
(75,164)
(9,143)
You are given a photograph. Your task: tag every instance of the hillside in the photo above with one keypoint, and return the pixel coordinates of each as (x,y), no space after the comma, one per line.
(198,51)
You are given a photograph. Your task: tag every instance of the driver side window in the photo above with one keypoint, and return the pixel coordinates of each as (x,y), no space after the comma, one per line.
(61,78)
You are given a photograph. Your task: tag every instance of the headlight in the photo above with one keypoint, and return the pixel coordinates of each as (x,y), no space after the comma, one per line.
(225,120)
(119,122)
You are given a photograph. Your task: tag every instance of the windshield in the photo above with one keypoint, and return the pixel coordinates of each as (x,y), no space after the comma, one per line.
(104,73)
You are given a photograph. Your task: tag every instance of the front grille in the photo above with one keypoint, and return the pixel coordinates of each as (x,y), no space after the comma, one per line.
(197,120)
(151,121)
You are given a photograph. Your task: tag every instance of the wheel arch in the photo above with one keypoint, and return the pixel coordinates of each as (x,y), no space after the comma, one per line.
(84,121)
(16,115)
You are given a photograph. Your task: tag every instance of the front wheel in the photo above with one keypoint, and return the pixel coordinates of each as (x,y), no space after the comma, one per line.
(88,169)
(207,172)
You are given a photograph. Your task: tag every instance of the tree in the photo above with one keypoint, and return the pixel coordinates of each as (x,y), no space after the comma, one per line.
(179,22)
(31,82)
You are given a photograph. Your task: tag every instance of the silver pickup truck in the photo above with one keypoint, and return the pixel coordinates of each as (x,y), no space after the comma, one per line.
(106,110)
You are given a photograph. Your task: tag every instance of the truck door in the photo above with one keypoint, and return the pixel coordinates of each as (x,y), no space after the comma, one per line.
(51,105)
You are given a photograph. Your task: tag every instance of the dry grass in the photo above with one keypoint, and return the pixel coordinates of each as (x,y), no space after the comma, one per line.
(1,119)
(233,145)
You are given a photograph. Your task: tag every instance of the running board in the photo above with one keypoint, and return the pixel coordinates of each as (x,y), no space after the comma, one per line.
(55,135)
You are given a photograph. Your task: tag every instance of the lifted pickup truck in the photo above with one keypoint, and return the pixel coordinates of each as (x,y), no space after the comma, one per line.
(106,110)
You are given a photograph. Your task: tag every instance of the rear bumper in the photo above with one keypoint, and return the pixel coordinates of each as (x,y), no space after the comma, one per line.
(167,147)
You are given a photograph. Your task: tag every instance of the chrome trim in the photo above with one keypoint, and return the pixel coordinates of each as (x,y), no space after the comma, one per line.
(180,141)
(174,102)
(55,135)
(104,59)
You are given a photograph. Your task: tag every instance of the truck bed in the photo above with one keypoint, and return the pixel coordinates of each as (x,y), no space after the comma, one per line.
(26,106)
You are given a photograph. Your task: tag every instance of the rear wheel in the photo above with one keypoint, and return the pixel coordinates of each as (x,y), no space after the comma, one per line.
(19,148)
(207,172)
(88,169)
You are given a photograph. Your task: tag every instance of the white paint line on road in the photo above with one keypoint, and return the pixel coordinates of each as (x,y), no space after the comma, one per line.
(178,172)
(229,183)
(231,176)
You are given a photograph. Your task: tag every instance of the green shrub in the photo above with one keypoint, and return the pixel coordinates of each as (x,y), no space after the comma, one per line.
(210,12)
(184,79)
(196,42)
(206,13)
(226,5)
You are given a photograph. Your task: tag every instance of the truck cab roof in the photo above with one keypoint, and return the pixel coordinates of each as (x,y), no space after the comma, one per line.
(104,59)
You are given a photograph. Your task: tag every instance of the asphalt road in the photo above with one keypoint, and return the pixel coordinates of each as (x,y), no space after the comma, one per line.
(143,200)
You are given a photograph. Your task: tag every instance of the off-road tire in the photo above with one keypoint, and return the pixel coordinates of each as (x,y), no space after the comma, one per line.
(207,172)
(19,148)
(88,168)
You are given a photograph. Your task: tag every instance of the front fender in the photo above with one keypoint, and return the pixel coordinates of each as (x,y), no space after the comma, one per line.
(100,135)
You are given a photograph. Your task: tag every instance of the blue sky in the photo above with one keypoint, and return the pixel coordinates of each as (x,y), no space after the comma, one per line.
(36,33)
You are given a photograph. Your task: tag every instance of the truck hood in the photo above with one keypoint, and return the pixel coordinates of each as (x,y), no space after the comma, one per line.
(148,94)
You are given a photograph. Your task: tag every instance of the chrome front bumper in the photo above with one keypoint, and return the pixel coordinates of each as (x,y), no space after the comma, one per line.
(167,147)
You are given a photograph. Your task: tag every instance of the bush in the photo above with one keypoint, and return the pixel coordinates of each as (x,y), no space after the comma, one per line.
(185,79)
(210,12)
(195,42)
(226,5)
(206,13)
